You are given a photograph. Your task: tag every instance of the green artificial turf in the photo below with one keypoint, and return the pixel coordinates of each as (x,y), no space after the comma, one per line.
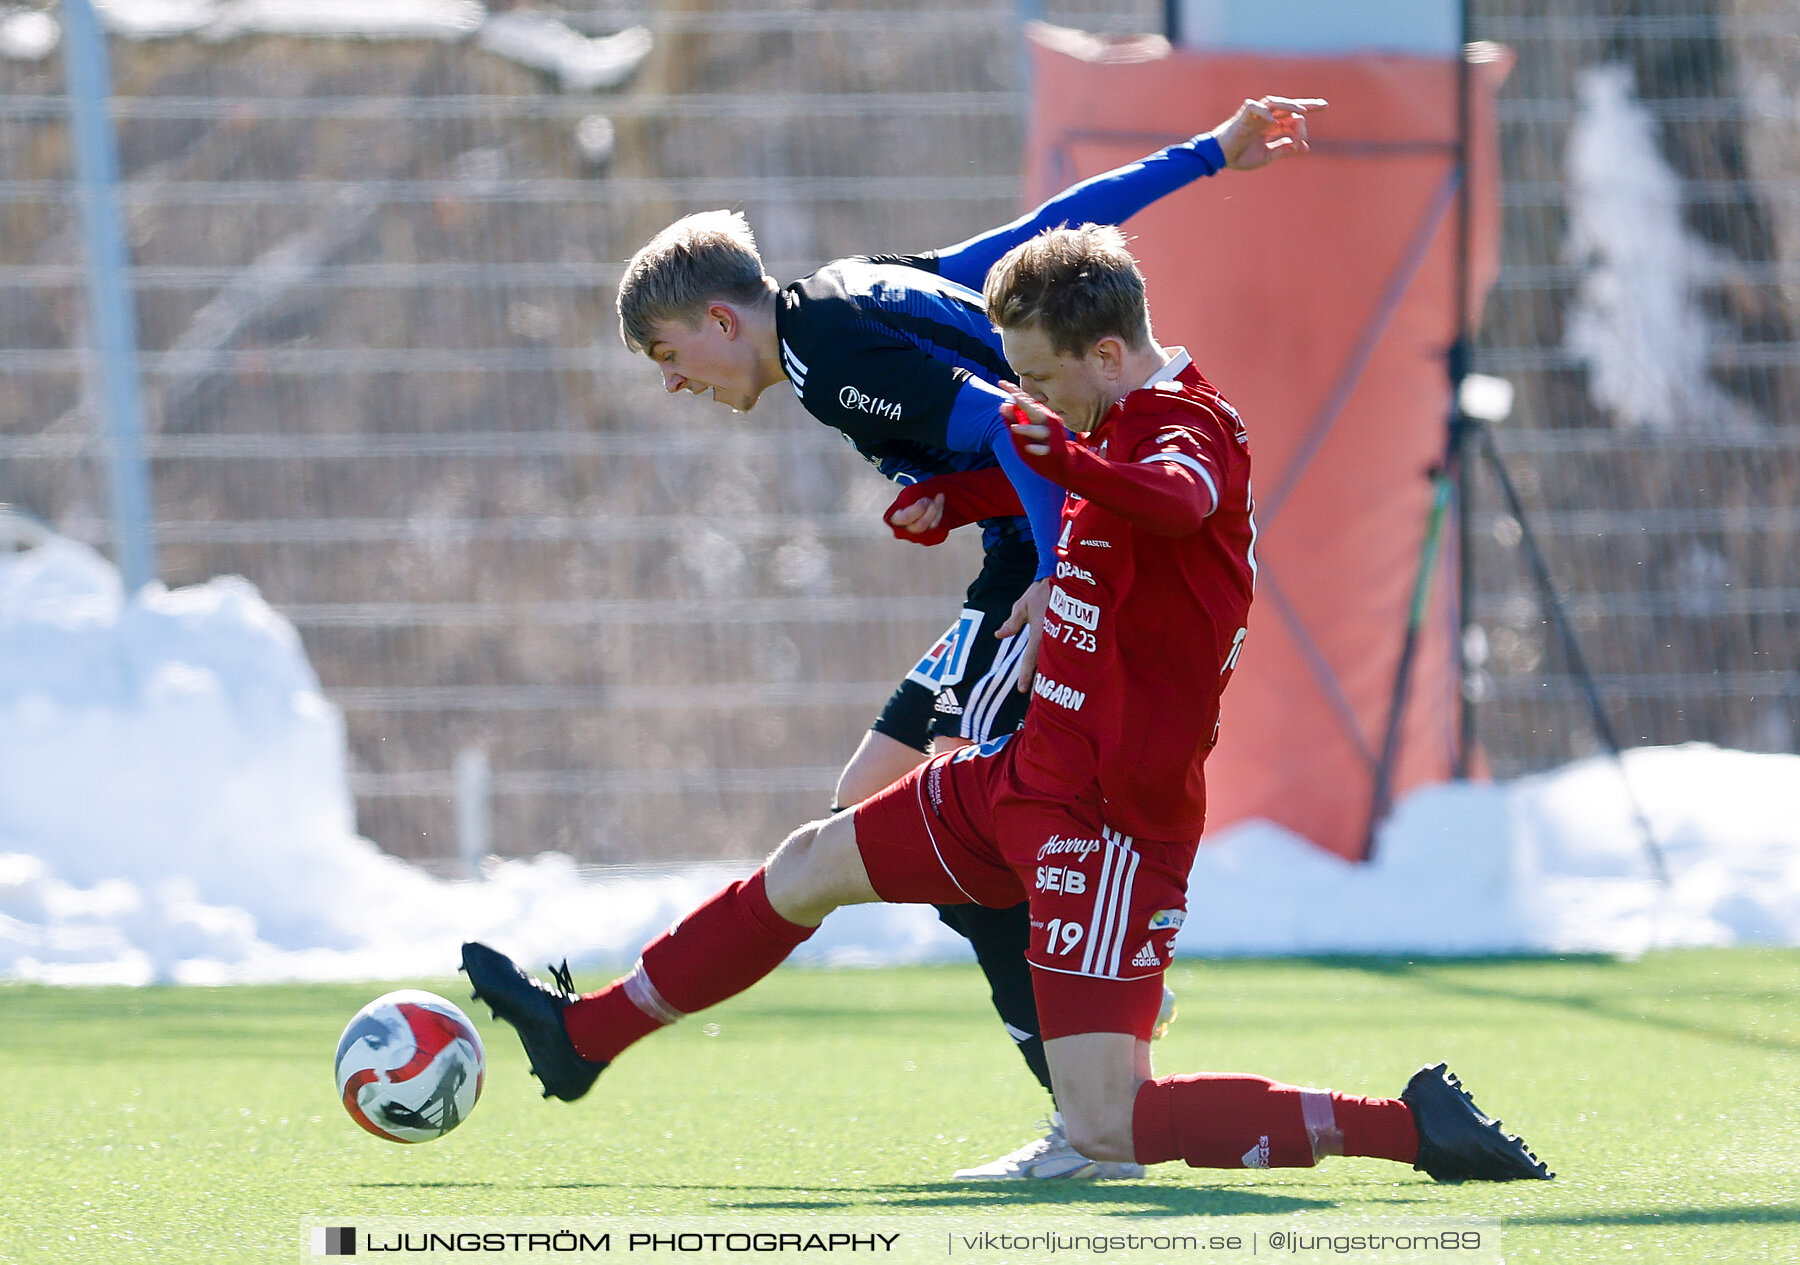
(200,1124)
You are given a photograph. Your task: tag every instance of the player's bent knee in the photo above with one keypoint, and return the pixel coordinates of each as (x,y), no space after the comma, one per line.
(795,862)
(1102,1138)
(817,869)
(1096,1088)
(797,847)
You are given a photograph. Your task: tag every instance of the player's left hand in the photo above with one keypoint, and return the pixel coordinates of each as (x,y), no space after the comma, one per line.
(1038,434)
(920,517)
(1266,129)
(1028,613)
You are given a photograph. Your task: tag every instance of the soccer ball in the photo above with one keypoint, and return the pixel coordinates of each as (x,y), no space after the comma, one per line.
(410,1066)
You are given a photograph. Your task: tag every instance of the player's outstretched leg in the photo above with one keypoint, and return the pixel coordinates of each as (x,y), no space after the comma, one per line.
(1457,1143)
(1227,1120)
(535,1010)
(719,949)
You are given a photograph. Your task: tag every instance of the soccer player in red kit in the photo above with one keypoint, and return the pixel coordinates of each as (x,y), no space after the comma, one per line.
(1092,812)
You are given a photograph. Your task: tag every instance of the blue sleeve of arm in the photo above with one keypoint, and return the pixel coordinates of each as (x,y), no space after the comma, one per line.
(1111,198)
(977,426)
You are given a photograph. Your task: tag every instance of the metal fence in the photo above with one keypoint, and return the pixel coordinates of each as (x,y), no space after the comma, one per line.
(1647,310)
(383,380)
(374,282)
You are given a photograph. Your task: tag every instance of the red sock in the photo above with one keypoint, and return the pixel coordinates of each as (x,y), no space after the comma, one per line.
(1225,1120)
(1380,1127)
(716,952)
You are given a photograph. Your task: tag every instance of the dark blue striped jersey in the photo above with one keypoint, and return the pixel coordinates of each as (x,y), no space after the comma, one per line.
(897,352)
(882,349)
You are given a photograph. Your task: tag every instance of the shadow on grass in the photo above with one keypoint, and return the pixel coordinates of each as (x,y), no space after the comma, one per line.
(425,1185)
(904,1197)
(1433,975)
(826,1014)
(1672,1216)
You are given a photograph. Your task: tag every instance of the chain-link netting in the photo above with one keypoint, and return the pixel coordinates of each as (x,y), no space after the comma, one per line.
(1647,311)
(374,281)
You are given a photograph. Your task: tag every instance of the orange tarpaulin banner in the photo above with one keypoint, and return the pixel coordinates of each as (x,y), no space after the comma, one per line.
(1319,296)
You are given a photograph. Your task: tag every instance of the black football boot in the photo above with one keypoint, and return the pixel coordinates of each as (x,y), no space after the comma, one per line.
(535,1010)
(1457,1143)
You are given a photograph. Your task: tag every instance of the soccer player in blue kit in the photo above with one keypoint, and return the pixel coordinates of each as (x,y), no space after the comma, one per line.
(897,353)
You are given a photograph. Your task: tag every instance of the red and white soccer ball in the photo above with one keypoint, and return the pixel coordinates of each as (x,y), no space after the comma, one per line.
(410,1066)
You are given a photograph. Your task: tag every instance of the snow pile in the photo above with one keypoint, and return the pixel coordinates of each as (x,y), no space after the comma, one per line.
(28,34)
(1637,319)
(167,765)
(1552,863)
(390,19)
(539,40)
(223,19)
(174,806)
(580,64)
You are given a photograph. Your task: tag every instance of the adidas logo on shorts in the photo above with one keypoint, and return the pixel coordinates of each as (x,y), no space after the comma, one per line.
(1258,1155)
(1146,956)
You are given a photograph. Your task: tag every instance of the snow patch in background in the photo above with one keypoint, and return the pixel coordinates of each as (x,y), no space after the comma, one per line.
(1554,863)
(28,34)
(1636,319)
(174,807)
(223,19)
(539,40)
(579,63)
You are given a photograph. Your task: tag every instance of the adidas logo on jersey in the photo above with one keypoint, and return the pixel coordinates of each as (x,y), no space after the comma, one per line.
(1146,956)
(947,704)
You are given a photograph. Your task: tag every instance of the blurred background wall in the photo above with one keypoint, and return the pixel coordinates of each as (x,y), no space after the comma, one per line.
(383,380)
(1647,312)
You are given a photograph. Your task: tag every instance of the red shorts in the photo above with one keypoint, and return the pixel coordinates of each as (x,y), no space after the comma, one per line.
(1105,908)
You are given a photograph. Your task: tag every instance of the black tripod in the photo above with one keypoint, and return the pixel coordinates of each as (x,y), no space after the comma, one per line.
(1477,402)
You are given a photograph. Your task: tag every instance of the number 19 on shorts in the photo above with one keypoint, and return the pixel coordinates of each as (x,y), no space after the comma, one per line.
(1062,935)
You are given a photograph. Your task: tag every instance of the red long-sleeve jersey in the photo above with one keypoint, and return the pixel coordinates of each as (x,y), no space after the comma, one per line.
(1156,566)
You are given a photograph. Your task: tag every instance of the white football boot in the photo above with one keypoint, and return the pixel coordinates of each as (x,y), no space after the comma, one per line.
(1051,1156)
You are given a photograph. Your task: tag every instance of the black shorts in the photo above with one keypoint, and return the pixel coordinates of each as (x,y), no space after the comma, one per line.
(964,686)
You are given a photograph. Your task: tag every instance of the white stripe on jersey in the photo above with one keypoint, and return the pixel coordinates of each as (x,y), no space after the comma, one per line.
(1112,907)
(796,368)
(1102,895)
(1250,512)
(1121,908)
(1191,463)
(1124,912)
(988,695)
